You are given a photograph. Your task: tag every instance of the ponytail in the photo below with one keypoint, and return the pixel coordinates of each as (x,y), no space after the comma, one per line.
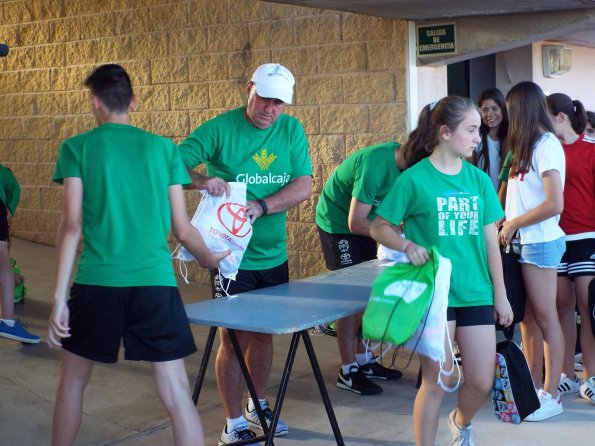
(420,144)
(575,110)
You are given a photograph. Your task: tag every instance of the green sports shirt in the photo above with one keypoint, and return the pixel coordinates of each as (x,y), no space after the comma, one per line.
(10,190)
(449,212)
(265,159)
(126,173)
(367,175)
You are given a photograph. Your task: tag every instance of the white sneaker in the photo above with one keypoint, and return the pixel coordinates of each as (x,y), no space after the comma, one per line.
(461,436)
(549,407)
(588,390)
(252,417)
(238,433)
(568,385)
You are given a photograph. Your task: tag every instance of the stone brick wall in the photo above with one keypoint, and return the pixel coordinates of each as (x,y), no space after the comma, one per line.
(189,61)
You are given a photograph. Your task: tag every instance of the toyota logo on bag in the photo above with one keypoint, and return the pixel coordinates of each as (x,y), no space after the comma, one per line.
(233,218)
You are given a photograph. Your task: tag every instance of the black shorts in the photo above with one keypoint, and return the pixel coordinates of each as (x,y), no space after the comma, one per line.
(3,222)
(579,259)
(343,250)
(249,280)
(470,316)
(150,319)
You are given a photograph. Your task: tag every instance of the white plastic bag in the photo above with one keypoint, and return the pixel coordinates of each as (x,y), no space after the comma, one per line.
(223,224)
(391,255)
(430,337)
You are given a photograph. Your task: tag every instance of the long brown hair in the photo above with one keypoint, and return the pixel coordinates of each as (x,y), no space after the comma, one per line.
(449,111)
(528,121)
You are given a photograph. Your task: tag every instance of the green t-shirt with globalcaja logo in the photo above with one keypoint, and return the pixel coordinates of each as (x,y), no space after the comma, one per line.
(449,212)
(265,159)
(367,175)
(126,173)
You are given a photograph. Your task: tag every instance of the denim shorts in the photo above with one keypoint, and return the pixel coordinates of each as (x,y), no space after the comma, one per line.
(544,254)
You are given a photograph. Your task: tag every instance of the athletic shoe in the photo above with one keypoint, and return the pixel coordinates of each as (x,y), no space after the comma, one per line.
(18,333)
(240,432)
(549,407)
(461,436)
(568,385)
(357,382)
(253,420)
(375,370)
(588,390)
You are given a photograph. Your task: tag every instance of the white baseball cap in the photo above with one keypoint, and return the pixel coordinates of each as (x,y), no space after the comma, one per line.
(274,81)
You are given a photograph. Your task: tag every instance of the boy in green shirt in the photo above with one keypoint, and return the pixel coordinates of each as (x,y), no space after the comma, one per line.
(344,214)
(10,328)
(125,286)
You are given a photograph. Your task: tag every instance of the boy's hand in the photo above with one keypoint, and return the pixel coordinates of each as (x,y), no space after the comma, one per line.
(58,325)
(418,255)
(212,260)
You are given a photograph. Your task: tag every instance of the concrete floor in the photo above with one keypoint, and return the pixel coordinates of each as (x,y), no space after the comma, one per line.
(121,407)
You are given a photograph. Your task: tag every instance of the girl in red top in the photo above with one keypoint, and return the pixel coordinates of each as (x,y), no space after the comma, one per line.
(577,267)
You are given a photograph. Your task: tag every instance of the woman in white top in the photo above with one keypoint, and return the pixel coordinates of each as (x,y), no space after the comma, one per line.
(491,152)
(534,201)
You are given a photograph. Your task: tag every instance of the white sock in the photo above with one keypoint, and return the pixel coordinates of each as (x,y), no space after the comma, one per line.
(9,322)
(262,401)
(232,422)
(363,358)
(345,368)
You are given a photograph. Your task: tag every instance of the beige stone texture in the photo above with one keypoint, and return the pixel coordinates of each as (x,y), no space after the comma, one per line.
(132,21)
(170,123)
(317,30)
(208,67)
(31,197)
(67,29)
(300,61)
(189,61)
(357,27)
(22,58)
(208,12)
(308,117)
(169,16)
(242,64)
(189,96)
(228,38)
(183,42)
(152,98)
(342,58)
(366,88)
(339,119)
(320,90)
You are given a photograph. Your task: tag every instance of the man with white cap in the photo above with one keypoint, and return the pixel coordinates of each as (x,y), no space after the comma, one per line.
(258,145)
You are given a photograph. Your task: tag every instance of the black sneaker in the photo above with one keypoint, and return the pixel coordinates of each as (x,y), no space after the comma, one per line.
(375,370)
(357,382)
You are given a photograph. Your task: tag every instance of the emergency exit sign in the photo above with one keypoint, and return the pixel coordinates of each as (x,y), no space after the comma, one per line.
(436,39)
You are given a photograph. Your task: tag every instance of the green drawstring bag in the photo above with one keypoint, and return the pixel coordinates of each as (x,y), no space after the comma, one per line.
(399,301)
(20,291)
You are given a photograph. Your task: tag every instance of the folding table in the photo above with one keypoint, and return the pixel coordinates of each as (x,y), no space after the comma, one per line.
(293,308)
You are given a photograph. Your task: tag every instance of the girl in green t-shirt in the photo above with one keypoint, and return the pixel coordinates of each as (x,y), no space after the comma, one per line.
(444,201)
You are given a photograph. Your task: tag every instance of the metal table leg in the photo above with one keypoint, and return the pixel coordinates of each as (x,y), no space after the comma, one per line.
(203,364)
(323,392)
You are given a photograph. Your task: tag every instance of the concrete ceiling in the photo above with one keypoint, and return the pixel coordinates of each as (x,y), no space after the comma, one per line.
(436,9)
(423,10)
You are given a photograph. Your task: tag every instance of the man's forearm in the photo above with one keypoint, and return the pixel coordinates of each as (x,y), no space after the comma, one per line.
(292,194)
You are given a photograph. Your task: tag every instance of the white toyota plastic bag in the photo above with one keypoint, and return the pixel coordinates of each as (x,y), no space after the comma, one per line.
(223,224)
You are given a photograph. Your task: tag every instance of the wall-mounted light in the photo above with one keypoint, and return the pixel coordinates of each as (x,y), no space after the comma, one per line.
(556,60)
